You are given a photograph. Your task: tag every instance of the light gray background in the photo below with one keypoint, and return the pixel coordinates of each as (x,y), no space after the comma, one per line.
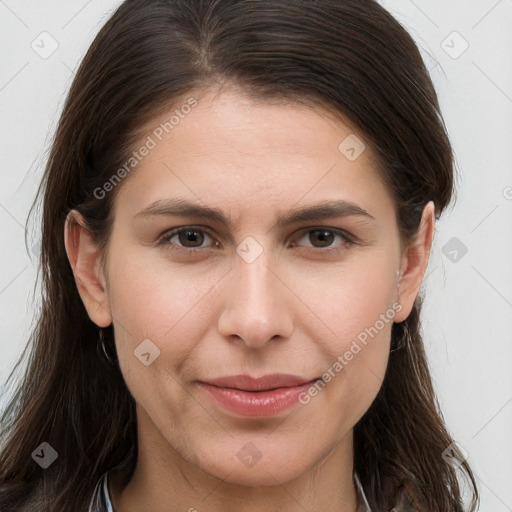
(468,309)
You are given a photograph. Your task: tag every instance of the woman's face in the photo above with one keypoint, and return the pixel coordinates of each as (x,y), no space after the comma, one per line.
(283,286)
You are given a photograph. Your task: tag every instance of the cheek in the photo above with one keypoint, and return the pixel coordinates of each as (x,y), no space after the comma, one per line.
(169,307)
(358,359)
(358,307)
(357,301)
(153,299)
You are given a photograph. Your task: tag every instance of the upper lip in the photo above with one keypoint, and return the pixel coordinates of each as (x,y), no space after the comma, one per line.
(264,383)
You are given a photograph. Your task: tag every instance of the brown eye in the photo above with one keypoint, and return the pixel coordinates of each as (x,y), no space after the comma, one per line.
(325,238)
(186,238)
(193,237)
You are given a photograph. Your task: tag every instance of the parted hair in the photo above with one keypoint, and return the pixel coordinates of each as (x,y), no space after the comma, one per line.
(350,57)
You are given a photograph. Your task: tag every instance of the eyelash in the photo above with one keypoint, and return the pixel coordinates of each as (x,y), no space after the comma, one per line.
(347,240)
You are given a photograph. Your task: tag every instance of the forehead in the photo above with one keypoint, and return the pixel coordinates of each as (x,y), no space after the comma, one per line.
(231,122)
(228,148)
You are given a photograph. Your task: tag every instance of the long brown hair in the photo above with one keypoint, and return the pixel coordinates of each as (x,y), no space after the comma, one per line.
(349,56)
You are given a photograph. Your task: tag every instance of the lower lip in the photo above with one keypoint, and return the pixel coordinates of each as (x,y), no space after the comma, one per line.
(252,403)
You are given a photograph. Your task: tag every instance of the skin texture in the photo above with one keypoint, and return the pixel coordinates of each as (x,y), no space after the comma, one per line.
(293,310)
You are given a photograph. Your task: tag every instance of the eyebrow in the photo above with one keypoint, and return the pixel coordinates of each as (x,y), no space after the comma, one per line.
(323,210)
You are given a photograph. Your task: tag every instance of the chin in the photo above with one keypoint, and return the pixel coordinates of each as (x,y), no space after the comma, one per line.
(264,476)
(253,469)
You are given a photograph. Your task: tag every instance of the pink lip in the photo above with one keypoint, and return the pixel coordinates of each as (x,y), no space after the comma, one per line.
(251,396)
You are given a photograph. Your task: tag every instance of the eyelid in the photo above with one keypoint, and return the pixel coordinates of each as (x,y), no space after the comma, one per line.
(164,239)
(347,239)
(336,231)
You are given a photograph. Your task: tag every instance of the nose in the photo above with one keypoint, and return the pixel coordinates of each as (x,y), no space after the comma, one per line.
(256,303)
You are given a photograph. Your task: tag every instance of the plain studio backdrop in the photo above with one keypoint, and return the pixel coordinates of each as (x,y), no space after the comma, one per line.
(467,315)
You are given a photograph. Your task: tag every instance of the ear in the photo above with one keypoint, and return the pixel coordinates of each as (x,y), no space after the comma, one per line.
(414,262)
(86,261)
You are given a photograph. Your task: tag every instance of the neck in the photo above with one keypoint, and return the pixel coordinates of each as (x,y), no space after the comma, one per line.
(163,481)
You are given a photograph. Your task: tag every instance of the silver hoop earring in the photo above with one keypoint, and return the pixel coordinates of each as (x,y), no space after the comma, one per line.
(403,340)
(395,349)
(102,350)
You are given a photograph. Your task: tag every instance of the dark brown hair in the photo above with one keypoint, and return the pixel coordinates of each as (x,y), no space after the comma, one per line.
(350,57)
